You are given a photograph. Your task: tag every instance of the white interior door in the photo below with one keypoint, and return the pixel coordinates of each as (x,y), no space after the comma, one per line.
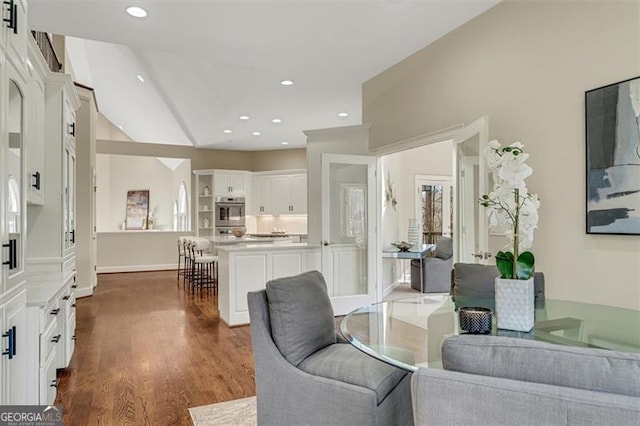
(471,239)
(348,229)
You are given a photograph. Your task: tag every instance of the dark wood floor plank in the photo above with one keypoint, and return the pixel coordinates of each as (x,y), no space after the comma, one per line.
(146,351)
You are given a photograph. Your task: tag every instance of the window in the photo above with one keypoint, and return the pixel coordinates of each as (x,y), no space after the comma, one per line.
(435,201)
(175,215)
(183,209)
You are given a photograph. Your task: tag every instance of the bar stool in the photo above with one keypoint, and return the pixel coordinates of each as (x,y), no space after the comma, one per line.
(204,272)
(182,258)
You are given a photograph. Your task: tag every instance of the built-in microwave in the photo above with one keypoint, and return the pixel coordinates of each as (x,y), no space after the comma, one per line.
(229,212)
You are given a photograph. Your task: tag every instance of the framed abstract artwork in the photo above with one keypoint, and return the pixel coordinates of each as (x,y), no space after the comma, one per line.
(612,115)
(137,209)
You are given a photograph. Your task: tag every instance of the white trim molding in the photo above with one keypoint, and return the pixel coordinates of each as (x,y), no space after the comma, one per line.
(136,268)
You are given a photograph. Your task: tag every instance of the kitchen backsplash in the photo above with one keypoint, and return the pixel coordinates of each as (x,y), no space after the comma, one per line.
(266,224)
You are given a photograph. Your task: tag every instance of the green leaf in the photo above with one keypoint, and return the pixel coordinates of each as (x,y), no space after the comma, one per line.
(525,267)
(504,262)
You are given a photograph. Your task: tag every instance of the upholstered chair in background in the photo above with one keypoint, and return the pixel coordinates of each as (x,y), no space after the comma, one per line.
(305,374)
(472,279)
(436,270)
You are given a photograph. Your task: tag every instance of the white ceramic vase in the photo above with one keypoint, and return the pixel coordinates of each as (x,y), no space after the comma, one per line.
(515,304)
(413,233)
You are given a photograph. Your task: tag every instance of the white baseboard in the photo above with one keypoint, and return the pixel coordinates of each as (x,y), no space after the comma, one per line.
(389,289)
(83,292)
(136,268)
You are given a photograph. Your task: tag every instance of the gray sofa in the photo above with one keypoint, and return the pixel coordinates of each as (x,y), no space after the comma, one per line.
(436,271)
(306,375)
(491,380)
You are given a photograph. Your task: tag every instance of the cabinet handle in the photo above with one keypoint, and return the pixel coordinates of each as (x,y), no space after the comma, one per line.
(72,129)
(66,298)
(36,184)
(73,236)
(74,286)
(13,254)
(55,311)
(54,383)
(73,337)
(11,350)
(56,339)
(12,21)
(73,305)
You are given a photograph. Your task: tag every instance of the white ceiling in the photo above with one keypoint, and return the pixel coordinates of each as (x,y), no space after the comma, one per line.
(205,63)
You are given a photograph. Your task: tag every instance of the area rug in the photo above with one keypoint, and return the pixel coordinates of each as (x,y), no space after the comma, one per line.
(238,412)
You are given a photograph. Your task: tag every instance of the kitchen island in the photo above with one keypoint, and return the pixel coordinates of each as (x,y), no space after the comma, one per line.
(247,267)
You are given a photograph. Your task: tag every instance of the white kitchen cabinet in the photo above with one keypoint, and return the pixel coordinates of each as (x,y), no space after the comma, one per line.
(280,194)
(51,239)
(12,179)
(13,317)
(15,31)
(262,195)
(290,194)
(34,131)
(241,270)
(231,183)
(51,333)
(205,202)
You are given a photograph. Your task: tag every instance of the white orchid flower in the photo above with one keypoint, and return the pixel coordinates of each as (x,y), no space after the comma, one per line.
(509,205)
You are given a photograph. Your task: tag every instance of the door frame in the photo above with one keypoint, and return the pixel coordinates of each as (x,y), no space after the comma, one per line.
(403,145)
(479,127)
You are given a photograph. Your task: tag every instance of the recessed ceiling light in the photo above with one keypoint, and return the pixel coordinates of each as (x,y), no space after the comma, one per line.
(284,143)
(343,114)
(244,117)
(227,131)
(136,12)
(120,127)
(140,78)
(256,133)
(276,120)
(287,82)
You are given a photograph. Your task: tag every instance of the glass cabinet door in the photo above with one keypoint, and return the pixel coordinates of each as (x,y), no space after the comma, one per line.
(72,199)
(65,201)
(13,178)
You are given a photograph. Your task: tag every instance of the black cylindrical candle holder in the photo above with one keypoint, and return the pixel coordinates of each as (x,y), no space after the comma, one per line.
(475,320)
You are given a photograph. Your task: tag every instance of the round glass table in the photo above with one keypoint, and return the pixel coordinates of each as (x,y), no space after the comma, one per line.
(408,333)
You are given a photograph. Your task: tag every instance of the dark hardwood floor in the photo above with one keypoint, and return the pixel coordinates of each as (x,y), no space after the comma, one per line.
(146,351)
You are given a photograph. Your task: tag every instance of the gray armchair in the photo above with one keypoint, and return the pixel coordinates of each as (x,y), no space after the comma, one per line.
(490,380)
(472,279)
(436,270)
(305,375)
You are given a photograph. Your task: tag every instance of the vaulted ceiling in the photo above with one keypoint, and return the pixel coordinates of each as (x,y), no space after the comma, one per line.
(206,63)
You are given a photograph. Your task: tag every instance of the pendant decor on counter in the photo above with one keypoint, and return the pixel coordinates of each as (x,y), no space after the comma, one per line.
(413,233)
(515,304)
(205,222)
(206,191)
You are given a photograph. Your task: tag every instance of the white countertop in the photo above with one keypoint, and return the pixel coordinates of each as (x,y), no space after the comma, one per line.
(234,248)
(39,293)
(247,239)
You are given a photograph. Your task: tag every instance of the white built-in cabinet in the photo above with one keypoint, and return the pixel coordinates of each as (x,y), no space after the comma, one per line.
(35,125)
(204,202)
(37,215)
(262,199)
(231,183)
(51,328)
(217,183)
(279,194)
(290,194)
(14,105)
